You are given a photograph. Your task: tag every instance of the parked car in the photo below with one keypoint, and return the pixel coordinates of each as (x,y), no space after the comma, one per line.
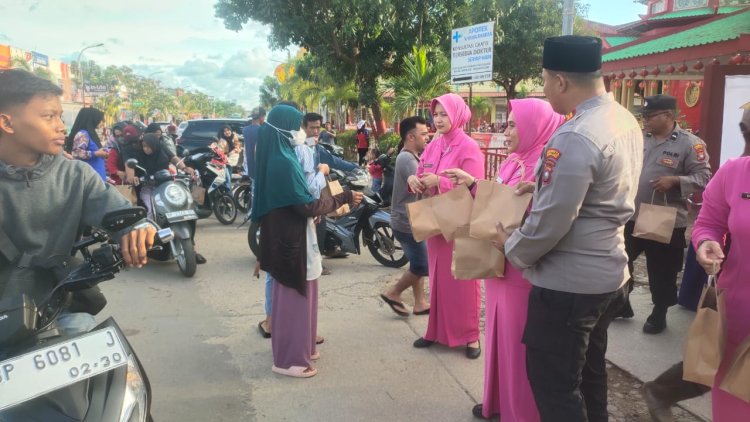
(163,126)
(198,134)
(181,128)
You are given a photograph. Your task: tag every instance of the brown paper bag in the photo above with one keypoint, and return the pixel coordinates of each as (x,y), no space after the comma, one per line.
(655,222)
(704,346)
(496,202)
(422,219)
(199,194)
(453,210)
(128,192)
(737,379)
(332,189)
(475,258)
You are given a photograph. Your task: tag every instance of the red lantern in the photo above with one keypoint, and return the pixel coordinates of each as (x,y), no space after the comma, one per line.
(653,84)
(632,74)
(670,69)
(643,73)
(621,75)
(698,65)
(641,85)
(736,59)
(656,71)
(682,68)
(716,61)
(630,84)
(666,86)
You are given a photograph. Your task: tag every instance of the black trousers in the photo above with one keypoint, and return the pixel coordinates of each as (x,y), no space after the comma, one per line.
(663,262)
(566,340)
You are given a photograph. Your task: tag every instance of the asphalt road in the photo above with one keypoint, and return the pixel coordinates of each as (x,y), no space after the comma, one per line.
(199,343)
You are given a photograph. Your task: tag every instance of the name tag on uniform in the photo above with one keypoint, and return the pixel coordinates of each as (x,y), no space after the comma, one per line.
(668,161)
(745,195)
(428,165)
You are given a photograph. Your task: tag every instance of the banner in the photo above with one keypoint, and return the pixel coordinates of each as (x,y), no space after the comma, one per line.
(39,60)
(4,56)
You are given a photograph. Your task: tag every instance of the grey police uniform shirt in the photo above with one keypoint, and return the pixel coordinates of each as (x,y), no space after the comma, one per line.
(682,154)
(573,239)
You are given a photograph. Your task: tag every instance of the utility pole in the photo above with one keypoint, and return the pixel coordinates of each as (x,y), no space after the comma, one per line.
(80,71)
(569,14)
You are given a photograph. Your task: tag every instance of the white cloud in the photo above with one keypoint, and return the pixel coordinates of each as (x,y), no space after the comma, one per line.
(187,45)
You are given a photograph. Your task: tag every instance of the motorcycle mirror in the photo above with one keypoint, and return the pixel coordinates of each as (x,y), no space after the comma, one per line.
(132,163)
(114,221)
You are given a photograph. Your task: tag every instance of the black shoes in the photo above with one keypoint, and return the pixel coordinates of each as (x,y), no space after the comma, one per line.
(421,343)
(477,411)
(657,321)
(199,259)
(626,312)
(473,352)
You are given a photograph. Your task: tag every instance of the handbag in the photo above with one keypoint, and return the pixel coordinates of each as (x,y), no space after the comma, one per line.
(475,258)
(332,189)
(199,193)
(453,210)
(422,219)
(737,378)
(706,338)
(655,222)
(495,203)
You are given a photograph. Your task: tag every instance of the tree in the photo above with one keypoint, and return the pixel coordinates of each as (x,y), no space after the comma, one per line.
(423,76)
(359,40)
(480,106)
(520,30)
(110,105)
(269,92)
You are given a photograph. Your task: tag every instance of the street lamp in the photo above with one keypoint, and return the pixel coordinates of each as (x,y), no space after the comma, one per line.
(80,70)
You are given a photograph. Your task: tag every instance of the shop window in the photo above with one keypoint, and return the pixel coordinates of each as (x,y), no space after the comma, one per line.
(689,4)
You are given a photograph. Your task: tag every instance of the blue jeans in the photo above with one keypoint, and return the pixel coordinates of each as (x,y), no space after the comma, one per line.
(376,184)
(269,293)
(416,253)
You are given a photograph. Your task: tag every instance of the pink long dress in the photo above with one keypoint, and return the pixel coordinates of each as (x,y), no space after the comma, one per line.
(726,209)
(506,385)
(454,304)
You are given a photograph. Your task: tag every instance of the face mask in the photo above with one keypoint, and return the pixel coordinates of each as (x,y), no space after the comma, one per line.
(296,137)
(310,142)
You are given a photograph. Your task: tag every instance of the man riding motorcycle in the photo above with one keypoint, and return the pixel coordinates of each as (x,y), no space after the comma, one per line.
(46,198)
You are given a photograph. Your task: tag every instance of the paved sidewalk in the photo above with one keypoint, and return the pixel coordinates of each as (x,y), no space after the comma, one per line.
(646,356)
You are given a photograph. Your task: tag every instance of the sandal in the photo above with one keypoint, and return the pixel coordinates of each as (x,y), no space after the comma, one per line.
(319,340)
(395,305)
(263,332)
(295,371)
(315,356)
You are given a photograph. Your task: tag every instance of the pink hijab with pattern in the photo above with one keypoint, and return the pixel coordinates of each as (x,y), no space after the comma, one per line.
(535,123)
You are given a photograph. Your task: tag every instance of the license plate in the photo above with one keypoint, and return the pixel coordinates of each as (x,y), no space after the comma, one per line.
(45,370)
(183,213)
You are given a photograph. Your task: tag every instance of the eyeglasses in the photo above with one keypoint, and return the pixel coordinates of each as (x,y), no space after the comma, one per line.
(652,115)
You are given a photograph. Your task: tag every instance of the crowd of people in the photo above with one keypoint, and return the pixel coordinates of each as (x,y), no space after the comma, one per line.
(568,267)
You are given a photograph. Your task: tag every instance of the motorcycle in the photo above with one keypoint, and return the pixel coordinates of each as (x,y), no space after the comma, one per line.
(211,165)
(367,220)
(51,376)
(242,194)
(173,207)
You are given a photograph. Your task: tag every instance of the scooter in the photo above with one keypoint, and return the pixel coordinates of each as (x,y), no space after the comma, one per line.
(214,174)
(173,207)
(46,375)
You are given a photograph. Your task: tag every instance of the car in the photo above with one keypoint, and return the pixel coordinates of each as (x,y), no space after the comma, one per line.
(199,134)
(181,128)
(163,126)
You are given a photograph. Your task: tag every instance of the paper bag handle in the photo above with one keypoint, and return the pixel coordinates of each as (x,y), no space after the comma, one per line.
(654,193)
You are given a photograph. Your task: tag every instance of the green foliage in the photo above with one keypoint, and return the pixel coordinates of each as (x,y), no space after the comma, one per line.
(480,106)
(347,139)
(424,75)
(388,141)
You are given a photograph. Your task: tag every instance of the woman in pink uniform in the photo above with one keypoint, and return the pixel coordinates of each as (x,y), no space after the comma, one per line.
(454,304)
(506,386)
(726,210)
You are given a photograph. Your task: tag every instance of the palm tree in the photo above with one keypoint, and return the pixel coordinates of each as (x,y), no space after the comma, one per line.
(110,105)
(479,107)
(19,63)
(425,75)
(339,96)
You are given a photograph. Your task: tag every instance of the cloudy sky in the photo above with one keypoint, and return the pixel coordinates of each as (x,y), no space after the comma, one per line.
(180,39)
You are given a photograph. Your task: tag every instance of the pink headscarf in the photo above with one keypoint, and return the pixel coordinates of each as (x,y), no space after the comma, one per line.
(458,113)
(535,122)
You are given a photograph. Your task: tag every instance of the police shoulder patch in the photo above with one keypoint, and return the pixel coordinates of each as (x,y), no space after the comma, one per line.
(550,161)
(700,152)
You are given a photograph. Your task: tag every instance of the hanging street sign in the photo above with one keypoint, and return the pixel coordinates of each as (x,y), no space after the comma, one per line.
(471,53)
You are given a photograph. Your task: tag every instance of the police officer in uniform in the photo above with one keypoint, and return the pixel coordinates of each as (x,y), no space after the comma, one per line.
(675,165)
(571,246)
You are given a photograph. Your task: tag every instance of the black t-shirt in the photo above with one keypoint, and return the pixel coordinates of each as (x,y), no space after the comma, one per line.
(158,160)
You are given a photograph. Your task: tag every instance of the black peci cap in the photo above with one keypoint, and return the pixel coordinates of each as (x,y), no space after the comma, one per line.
(572,53)
(658,103)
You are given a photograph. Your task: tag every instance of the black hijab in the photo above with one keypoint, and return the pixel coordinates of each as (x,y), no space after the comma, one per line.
(87,119)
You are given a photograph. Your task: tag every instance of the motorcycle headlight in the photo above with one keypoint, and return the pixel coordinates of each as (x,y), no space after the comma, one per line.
(134,404)
(175,195)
